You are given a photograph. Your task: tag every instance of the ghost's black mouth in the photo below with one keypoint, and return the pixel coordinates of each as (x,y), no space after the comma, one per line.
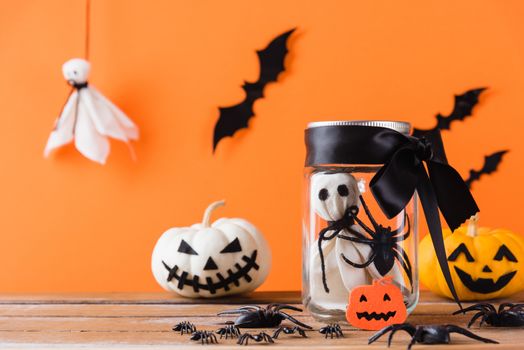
(376,316)
(484,285)
(210,285)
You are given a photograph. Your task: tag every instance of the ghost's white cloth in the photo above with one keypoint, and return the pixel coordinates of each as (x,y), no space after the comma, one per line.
(331,196)
(88,117)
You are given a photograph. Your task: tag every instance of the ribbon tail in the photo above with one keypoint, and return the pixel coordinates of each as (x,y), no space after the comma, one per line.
(429,205)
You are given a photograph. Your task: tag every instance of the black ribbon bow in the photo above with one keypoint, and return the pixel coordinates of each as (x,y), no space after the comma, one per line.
(409,164)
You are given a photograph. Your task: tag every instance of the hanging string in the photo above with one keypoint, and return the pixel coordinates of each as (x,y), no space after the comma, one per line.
(87,29)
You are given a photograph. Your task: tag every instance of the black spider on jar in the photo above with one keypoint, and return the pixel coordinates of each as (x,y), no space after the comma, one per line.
(507,315)
(384,242)
(260,337)
(229,331)
(205,337)
(431,334)
(254,316)
(289,330)
(184,327)
(332,330)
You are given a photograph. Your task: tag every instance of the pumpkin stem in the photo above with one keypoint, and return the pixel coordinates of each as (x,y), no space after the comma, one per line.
(472,225)
(209,210)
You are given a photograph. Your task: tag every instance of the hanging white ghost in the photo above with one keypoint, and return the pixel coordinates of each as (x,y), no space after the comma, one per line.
(331,196)
(88,117)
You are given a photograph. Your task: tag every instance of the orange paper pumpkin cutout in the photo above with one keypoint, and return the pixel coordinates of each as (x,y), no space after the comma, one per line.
(375,306)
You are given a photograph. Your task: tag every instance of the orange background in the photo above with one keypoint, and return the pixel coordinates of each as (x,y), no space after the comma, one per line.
(68,224)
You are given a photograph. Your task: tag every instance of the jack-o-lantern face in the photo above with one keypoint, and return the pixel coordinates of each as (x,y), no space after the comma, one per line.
(376,306)
(204,260)
(484,285)
(484,263)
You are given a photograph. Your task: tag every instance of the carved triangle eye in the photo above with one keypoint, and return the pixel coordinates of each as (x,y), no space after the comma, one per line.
(232,247)
(387,297)
(504,252)
(363,298)
(185,248)
(461,249)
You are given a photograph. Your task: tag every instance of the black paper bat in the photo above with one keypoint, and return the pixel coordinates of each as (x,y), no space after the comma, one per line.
(236,117)
(491,164)
(461,110)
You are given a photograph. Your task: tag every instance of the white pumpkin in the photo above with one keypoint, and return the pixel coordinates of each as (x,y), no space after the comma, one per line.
(228,257)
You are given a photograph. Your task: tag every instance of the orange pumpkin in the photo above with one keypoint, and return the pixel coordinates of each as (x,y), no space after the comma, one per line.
(375,306)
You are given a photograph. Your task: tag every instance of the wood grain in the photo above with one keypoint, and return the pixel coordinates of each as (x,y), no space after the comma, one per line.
(140,320)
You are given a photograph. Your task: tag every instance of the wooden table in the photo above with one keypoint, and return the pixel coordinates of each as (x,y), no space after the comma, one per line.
(140,320)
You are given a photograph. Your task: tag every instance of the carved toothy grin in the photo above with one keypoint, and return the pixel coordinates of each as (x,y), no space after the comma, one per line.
(484,285)
(210,285)
(376,316)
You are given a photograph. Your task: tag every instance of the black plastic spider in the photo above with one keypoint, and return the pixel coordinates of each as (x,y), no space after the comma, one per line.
(434,334)
(205,337)
(254,316)
(383,241)
(289,330)
(244,338)
(508,314)
(184,327)
(331,330)
(229,330)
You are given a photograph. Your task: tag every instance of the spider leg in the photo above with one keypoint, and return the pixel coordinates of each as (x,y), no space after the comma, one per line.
(277,332)
(456,329)
(479,307)
(338,330)
(278,307)
(363,225)
(357,239)
(243,339)
(510,306)
(267,338)
(321,237)
(294,320)
(357,233)
(240,310)
(401,228)
(368,212)
(415,337)
(404,327)
(404,262)
(394,327)
(359,266)
(475,317)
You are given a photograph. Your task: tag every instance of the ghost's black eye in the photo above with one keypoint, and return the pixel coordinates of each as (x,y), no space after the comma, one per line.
(461,249)
(75,72)
(504,252)
(232,247)
(323,194)
(386,297)
(363,298)
(185,248)
(343,190)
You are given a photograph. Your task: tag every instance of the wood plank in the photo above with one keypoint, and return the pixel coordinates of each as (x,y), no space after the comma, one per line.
(157,324)
(355,339)
(124,320)
(284,297)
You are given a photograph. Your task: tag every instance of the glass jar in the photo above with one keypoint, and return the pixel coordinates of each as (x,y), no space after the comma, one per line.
(347,240)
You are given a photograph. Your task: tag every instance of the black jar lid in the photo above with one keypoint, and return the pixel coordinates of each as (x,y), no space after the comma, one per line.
(353,141)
